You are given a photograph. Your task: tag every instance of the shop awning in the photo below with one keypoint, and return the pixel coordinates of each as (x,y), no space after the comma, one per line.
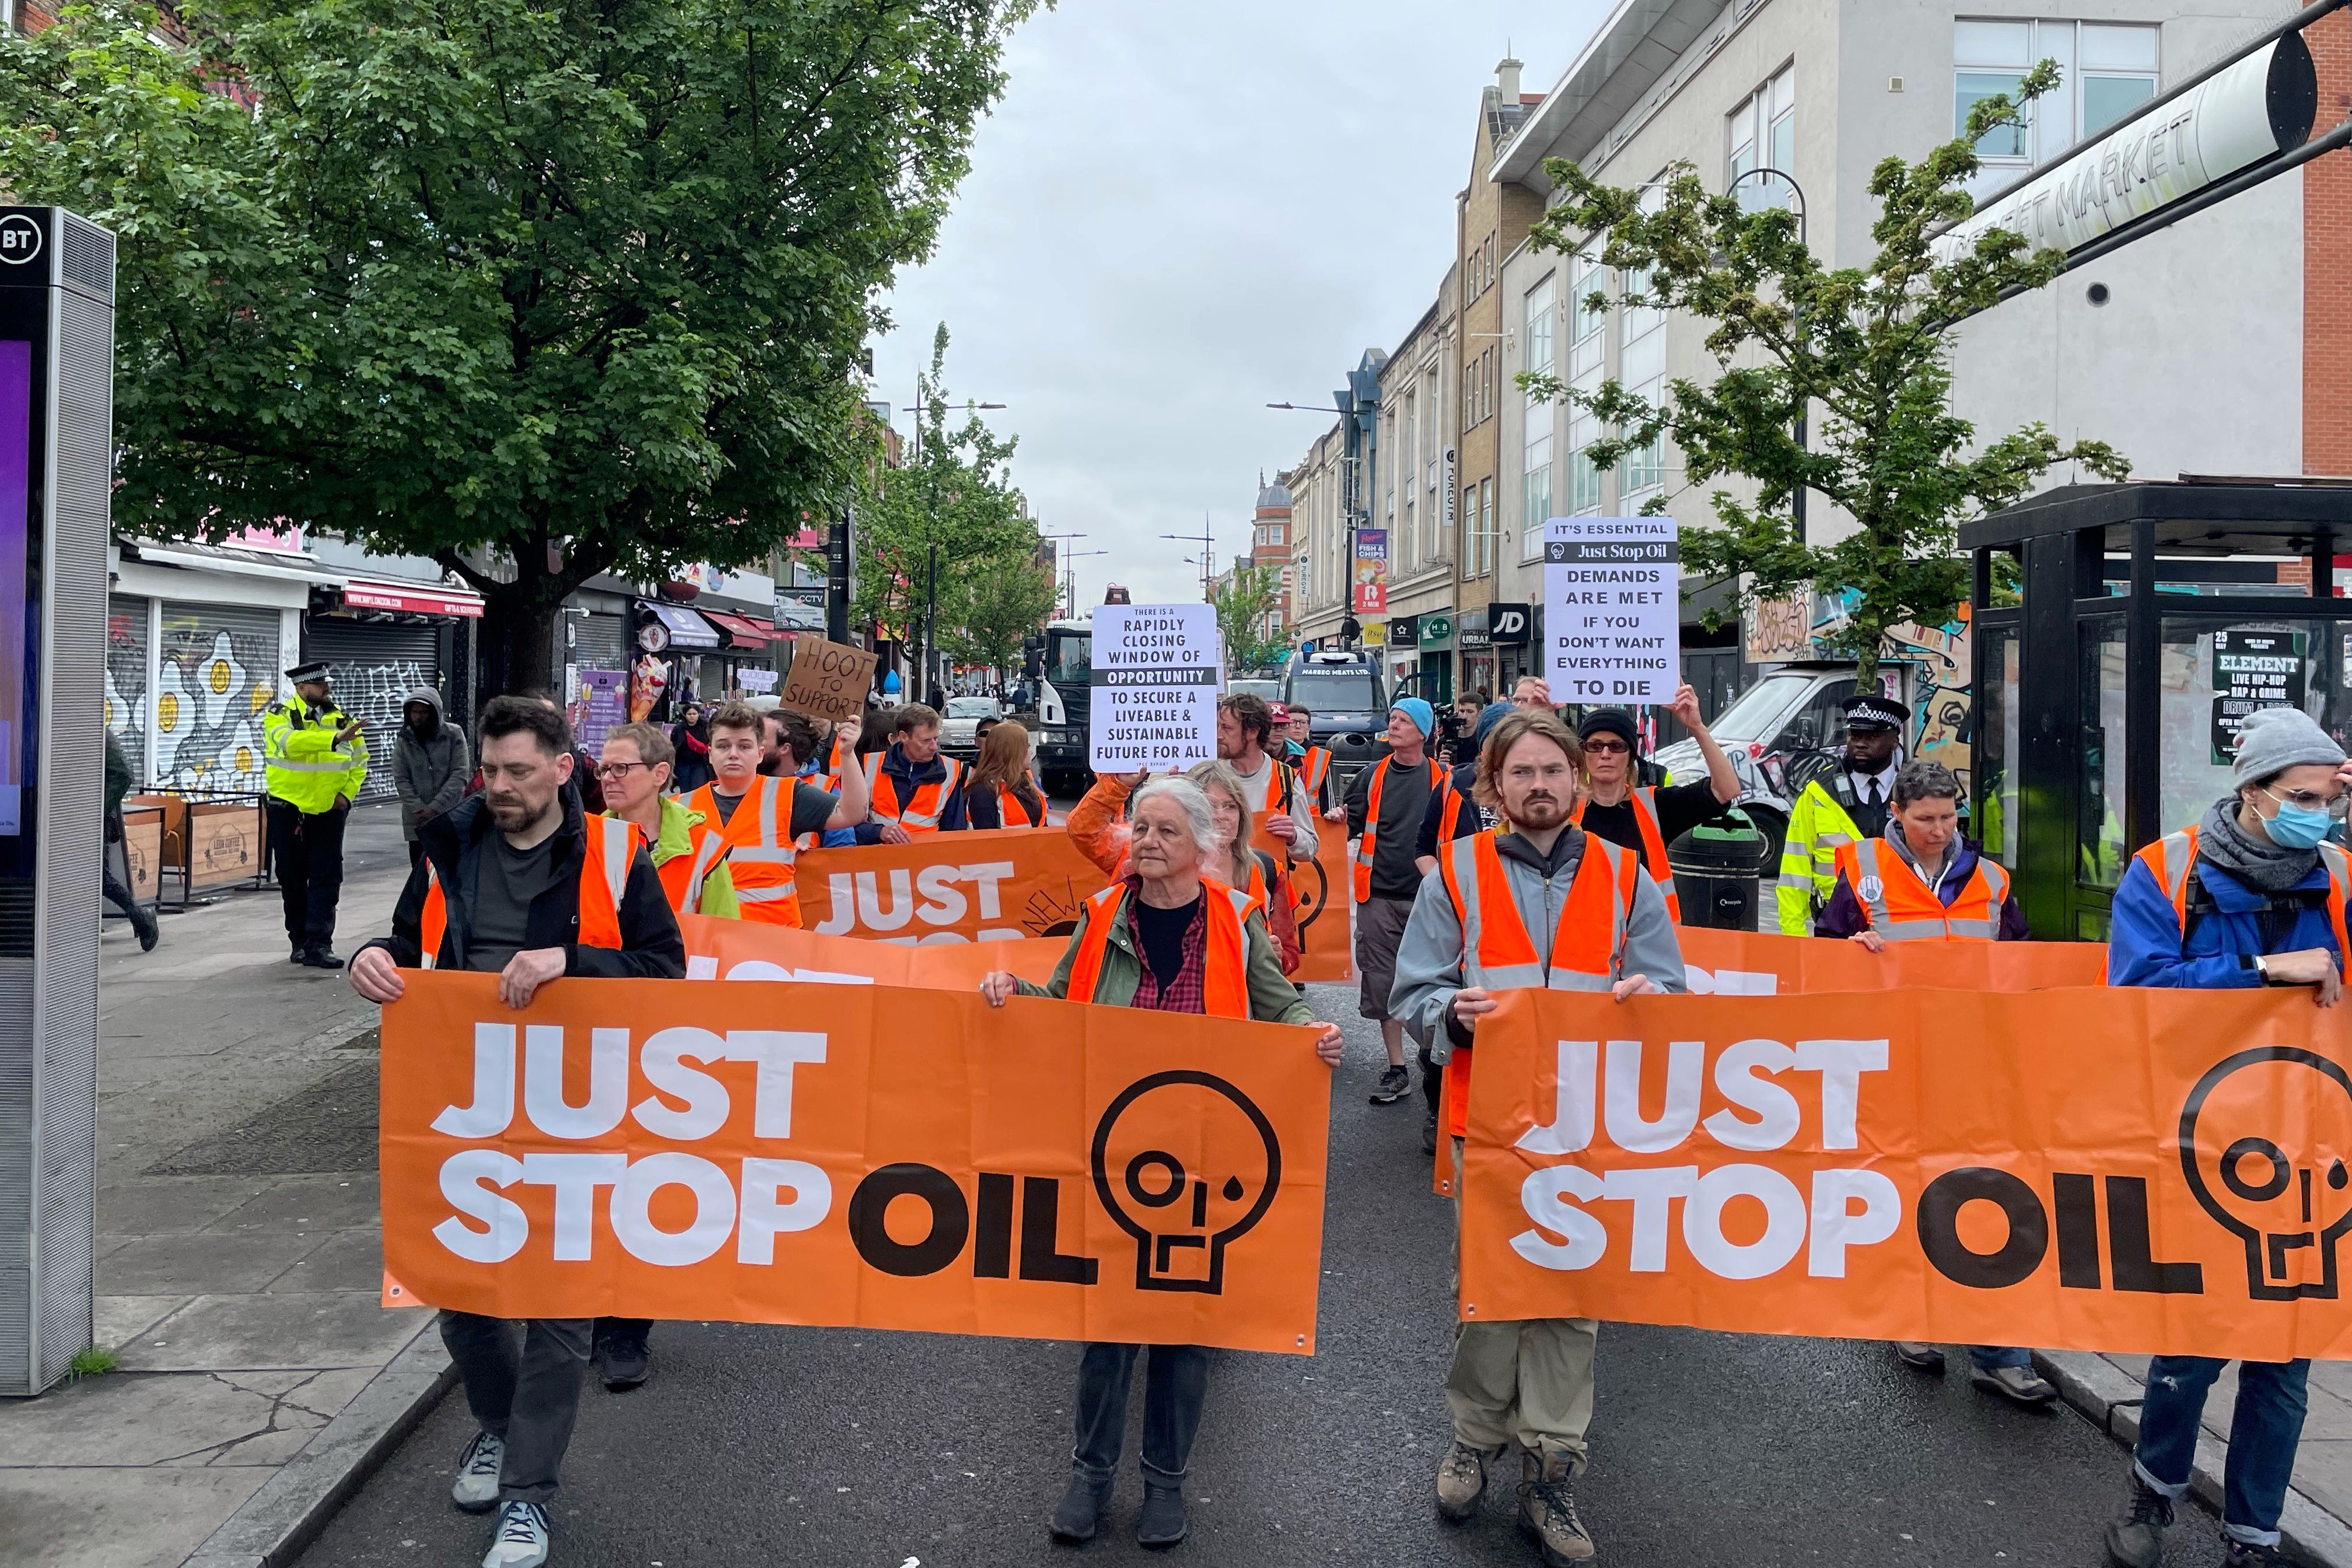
(746,631)
(191,556)
(416,598)
(686,628)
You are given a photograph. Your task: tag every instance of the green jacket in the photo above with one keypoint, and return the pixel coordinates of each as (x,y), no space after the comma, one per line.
(1272,999)
(307,769)
(719,901)
(1817,824)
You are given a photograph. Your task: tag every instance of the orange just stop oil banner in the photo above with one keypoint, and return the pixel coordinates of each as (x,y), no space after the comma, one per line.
(896,1158)
(997,885)
(2126,1170)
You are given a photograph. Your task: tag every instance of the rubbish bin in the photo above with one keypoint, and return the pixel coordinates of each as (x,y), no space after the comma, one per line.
(1717,874)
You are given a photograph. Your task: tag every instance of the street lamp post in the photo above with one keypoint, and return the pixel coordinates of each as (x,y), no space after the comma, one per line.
(1796,499)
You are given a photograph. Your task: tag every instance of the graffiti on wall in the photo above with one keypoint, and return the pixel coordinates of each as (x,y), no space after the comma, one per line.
(1934,664)
(212,686)
(374,692)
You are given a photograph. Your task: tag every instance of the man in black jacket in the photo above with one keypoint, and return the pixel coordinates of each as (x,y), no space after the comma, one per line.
(501,878)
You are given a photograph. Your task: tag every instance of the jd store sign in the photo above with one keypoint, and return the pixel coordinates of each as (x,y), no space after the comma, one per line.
(1509,626)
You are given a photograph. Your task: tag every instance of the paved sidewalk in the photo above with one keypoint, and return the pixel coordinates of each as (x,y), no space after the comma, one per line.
(238,1261)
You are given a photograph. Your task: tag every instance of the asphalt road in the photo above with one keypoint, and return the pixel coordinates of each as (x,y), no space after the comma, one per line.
(761,1445)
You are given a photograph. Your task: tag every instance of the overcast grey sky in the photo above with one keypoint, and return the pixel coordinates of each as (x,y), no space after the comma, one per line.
(1182,211)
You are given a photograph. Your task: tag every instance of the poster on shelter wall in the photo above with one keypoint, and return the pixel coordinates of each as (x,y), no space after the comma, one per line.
(2252,670)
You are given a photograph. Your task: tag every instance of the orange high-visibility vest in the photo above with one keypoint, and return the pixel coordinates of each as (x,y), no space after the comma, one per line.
(1450,818)
(1372,821)
(1225,986)
(682,875)
(2172,857)
(1311,769)
(759,847)
(1900,906)
(1499,953)
(833,767)
(920,814)
(1012,812)
(603,878)
(1644,802)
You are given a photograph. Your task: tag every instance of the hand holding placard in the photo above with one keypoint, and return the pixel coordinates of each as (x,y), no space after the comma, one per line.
(827,679)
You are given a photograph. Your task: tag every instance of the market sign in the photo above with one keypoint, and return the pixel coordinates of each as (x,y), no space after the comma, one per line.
(2258,107)
(2251,670)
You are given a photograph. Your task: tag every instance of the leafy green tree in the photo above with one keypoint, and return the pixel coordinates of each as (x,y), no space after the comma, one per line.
(1867,348)
(537,288)
(1241,602)
(946,544)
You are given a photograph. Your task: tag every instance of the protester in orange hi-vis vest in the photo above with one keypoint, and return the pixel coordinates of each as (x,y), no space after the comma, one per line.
(1540,903)
(917,790)
(687,852)
(1385,805)
(761,818)
(1310,761)
(1642,817)
(1098,826)
(519,880)
(1170,939)
(1923,882)
(1001,793)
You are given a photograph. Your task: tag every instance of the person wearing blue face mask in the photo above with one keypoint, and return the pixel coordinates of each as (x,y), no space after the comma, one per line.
(2250,896)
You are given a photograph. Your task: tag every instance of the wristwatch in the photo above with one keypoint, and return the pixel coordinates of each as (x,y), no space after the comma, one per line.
(2262,968)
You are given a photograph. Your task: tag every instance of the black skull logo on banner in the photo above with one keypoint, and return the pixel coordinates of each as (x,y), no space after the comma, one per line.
(2263,1141)
(1198,1181)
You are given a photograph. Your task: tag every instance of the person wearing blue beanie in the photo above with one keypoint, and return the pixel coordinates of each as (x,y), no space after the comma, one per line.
(1385,804)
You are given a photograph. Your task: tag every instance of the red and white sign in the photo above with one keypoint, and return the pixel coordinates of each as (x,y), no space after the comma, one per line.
(416,598)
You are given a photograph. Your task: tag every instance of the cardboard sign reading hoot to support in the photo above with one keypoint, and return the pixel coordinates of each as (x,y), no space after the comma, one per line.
(896,1158)
(1920,1165)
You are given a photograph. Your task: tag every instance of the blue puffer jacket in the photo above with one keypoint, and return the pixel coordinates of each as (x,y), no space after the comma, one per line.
(2145,945)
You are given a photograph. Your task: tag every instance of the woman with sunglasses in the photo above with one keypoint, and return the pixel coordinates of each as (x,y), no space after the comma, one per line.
(2253,895)
(1620,809)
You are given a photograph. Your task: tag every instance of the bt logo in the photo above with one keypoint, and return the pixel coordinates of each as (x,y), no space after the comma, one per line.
(20,239)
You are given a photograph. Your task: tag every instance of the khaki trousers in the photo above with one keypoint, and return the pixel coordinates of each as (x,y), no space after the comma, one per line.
(1527,1383)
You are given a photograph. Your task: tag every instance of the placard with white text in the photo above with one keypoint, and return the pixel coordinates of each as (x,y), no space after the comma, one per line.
(1612,609)
(1155,687)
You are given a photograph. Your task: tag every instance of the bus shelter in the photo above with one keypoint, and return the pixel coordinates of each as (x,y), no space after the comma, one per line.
(2122,631)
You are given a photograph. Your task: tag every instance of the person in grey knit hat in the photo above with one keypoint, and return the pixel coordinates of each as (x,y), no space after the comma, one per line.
(2254,895)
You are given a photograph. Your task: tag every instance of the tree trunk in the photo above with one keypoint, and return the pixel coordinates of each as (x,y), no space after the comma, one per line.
(518,643)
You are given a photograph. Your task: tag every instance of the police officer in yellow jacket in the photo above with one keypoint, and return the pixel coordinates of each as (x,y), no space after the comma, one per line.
(317,761)
(1843,804)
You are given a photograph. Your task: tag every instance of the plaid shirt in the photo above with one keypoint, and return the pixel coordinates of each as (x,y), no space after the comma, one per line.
(1186,993)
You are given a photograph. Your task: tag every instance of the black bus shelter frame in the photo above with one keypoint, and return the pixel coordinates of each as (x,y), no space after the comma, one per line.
(2078,557)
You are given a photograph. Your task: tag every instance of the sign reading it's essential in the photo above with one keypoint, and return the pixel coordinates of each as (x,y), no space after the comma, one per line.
(827,680)
(1612,609)
(1154,700)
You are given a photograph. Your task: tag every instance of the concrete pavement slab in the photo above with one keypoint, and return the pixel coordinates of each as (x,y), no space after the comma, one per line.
(133,1420)
(108,1518)
(329,1202)
(159,1206)
(201,1262)
(122,1318)
(314,1329)
(346,1260)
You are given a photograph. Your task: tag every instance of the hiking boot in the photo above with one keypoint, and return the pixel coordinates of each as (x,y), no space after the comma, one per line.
(1926,1357)
(2018,1384)
(1161,1523)
(2242,1554)
(522,1538)
(626,1360)
(2136,1540)
(1394,1082)
(1548,1513)
(476,1490)
(1461,1481)
(1080,1510)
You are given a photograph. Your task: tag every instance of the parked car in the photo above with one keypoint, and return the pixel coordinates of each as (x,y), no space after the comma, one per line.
(959,725)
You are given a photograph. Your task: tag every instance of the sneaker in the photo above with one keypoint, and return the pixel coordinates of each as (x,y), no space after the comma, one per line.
(1161,1523)
(476,1490)
(2136,1540)
(1080,1512)
(1461,1481)
(1926,1357)
(627,1360)
(522,1538)
(1548,1513)
(2019,1384)
(2242,1554)
(1394,1082)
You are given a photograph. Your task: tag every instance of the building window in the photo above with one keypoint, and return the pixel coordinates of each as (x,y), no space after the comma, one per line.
(1587,338)
(1642,371)
(1763,131)
(1486,561)
(2107,70)
(1538,314)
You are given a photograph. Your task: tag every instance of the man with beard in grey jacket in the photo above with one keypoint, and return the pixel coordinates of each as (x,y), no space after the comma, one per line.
(431,763)
(1496,897)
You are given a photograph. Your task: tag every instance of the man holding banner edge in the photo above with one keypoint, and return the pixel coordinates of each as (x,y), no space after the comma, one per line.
(1537,902)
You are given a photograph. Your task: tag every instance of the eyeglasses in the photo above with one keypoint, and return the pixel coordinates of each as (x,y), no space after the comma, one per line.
(2336,805)
(617,770)
(1606,748)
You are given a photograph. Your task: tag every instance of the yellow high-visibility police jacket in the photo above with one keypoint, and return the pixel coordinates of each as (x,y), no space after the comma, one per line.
(305,768)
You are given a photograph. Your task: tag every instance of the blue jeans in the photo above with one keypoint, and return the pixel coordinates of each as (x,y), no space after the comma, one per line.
(1992,1358)
(1175,1385)
(2264,1431)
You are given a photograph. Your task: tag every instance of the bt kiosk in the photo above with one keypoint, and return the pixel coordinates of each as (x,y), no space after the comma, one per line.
(57,418)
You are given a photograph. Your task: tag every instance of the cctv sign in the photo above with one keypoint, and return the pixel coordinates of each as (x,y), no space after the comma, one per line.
(1612,609)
